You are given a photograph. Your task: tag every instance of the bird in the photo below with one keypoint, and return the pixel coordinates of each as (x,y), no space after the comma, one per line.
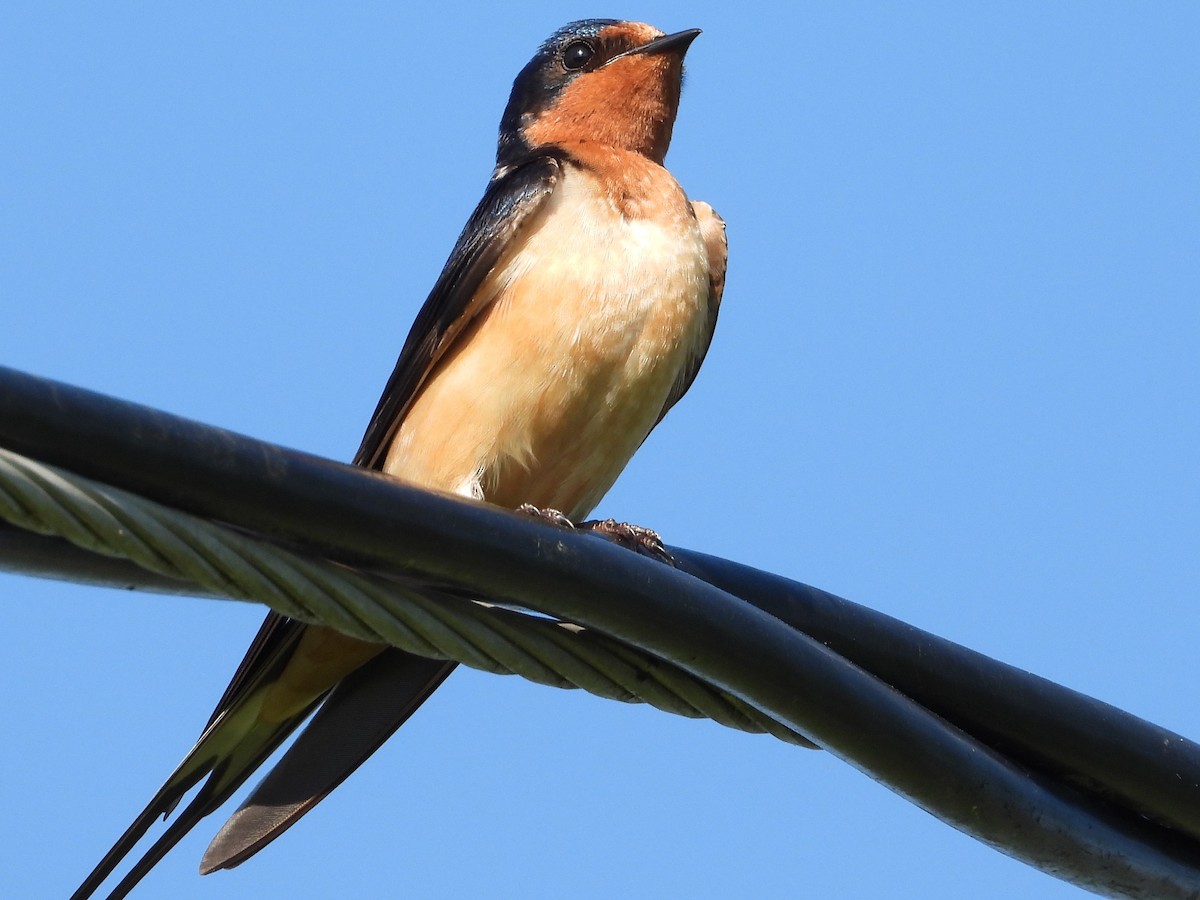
(574,311)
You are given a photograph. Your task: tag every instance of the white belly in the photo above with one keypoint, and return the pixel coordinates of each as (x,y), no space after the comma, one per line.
(549,393)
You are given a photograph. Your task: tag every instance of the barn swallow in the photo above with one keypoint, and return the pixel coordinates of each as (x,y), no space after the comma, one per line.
(574,311)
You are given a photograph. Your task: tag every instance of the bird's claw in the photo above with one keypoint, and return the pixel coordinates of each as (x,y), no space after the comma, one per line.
(551,516)
(633,537)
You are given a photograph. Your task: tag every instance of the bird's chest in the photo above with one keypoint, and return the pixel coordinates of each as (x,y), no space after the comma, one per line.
(588,320)
(603,297)
(603,309)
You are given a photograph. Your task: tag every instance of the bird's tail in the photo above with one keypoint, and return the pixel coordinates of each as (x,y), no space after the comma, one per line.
(287,675)
(228,752)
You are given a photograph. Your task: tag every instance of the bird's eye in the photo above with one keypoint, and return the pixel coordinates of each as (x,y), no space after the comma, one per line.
(577,54)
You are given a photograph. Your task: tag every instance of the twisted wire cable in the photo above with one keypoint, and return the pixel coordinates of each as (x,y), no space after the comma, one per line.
(369,606)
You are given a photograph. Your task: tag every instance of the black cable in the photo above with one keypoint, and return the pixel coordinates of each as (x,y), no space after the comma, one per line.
(1048,818)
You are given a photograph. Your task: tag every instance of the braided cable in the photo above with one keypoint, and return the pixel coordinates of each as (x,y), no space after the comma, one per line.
(414,617)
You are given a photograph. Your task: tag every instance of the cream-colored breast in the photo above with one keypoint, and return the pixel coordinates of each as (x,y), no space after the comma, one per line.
(550,391)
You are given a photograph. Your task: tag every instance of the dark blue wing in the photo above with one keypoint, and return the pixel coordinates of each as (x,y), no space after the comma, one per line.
(712,229)
(508,205)
(362,711)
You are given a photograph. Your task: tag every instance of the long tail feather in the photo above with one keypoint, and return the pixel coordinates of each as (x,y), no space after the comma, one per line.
(354,719)
(360,714)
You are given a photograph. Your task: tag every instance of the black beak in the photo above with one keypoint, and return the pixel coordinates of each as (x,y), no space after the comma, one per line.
(668,43)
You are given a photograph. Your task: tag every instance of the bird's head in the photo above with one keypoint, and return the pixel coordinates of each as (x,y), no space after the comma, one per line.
(598,80)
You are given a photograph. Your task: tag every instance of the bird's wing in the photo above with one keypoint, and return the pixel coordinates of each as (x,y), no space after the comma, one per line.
(712,230)
(376,702)
(362,712)
(508,207)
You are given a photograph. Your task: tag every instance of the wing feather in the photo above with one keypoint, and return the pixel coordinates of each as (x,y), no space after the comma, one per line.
(712,230)
(506,208)
(379,697)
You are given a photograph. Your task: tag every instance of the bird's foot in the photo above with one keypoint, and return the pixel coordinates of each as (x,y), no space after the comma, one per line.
(551,516)
(633,537)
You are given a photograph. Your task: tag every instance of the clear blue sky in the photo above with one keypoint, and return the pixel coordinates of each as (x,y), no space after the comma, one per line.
(955,379)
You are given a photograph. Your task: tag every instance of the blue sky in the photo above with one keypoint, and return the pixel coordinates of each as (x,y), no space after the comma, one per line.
(955,379)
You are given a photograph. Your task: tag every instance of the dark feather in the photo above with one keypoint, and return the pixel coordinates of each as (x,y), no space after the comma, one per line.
(362,712)
(712,227)
(223,779)
(506,208)
(399,682)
